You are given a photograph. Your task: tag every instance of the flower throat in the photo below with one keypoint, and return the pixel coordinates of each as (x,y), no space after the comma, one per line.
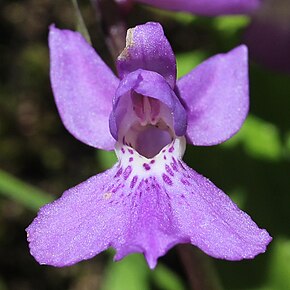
(151,129)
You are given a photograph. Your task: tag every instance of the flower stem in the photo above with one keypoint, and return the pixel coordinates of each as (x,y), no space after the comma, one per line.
(199,270)
(112,18)
(21,192)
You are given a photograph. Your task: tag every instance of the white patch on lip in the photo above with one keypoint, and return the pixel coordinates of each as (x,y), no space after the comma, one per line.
(146,167)
(129,43)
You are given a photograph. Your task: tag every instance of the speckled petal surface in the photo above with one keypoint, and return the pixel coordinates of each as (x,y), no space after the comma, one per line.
(124,207)
(83,88)
(211,220)
(147,48)
(151,84)
(206,7)
(146,206)
(216,94)
(82,223)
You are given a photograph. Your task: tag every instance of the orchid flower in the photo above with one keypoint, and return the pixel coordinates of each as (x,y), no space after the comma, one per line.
(202,7)
(150,200)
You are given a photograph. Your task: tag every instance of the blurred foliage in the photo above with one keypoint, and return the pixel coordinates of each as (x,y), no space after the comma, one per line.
(38,156)
(15,189)
(133,273)
(130,274)
(259,139)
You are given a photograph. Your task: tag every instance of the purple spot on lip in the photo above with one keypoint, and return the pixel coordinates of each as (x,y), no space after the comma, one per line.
(174,167)
(133,182)
(131,151)
(123,150)
(127,172)
(117,188)
(119,172)
(152,161)
(185,181)
(168,169)
(131,159)
(146,166)
(171,149)
(164,157)
(166,179)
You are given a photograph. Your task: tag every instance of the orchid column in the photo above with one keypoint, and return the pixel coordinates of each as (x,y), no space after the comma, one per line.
(150,200)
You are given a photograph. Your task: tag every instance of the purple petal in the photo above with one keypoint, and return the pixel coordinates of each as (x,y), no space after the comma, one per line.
(82,223)
(147,206)
(83,88)
(216,94)
(206,7)
(211,220)
(113,209)
(150,84)
(147,48)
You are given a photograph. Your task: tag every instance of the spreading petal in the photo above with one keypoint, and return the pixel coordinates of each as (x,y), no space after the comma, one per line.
(150,84)
(216,94)
(209,218)
(82,223)
(83,88)
(206,7)
(147,48)
(115,209)
(147,206)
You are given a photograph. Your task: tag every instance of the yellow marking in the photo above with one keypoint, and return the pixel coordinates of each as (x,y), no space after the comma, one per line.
(129,43)
(107,195)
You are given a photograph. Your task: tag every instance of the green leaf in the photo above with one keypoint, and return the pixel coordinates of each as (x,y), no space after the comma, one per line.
(259,138)
(132,273)
(188,60)
(279,271)
(287,145)
(19,191)
(165,279)
(230,24)
(106,159)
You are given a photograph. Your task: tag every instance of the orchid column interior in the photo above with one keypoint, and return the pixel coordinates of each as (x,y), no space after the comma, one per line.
(150,200)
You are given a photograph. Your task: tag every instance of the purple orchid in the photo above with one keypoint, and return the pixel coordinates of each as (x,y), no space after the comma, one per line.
(202,7)
(150,200)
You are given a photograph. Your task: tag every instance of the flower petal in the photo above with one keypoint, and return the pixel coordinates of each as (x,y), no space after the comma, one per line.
(83,88)
(115,208)
(79,225)
(150,84)
(206,7)
(216,94)
(211,221)
(147,48)
(147,206)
